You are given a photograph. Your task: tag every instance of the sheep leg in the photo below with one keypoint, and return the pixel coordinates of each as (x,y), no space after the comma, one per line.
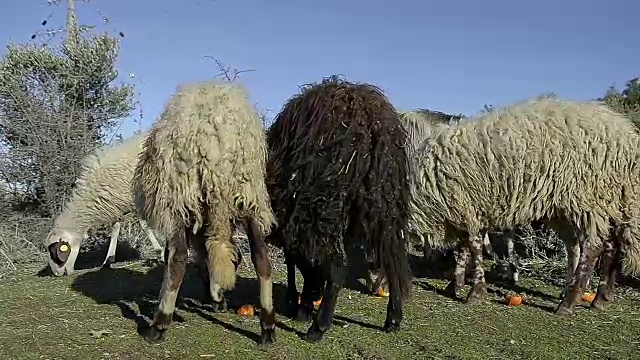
(486,245)
(479,287)
(427,250)
(174,274)
(588,257)
(159,250)
(200,257)
(505,250)
(300,307)
(375,280)
(111,251)
(262,267)
(607,287)
(335,276)
(572,246)
(460,254)
(430,254)
(512,269)
(291,298)
(394,305)
(311,291)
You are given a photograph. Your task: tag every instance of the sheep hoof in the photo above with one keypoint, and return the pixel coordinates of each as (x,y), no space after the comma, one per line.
(563,293)
(152,262)
(108,262)
(268,336)
(563,310)
(450,290)
(160,255)
(303,315)
(391,326)
(476,294)
(599,303)
(314,333)
(291,307)
(220,306)
(153,335)
(472,298)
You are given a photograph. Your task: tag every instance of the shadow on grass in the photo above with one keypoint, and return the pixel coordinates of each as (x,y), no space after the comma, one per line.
(428,287)
(419,269)
(127,288)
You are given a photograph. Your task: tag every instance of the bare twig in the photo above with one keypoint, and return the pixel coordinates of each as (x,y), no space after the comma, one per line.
(228,73)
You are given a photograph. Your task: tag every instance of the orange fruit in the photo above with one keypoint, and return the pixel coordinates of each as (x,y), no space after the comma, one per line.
(513,300)
(315,303)
(246,310)
(380,292)
(588,297)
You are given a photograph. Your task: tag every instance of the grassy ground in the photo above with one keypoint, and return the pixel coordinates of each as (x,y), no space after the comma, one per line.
(95,315)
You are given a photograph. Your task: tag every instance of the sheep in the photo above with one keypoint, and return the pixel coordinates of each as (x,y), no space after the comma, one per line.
(571,165)
(338,174)
(418,124)
(202,169)
(102,195)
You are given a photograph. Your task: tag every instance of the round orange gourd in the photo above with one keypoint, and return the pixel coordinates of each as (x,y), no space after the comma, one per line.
(513,300)
(588,297)
(380,292)
(245,310)
(315,303)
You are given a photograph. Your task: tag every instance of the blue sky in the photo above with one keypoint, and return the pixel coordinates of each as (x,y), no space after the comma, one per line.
(452,56)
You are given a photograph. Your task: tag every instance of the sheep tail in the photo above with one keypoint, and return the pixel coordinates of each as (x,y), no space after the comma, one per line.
(395,262)
(631,250)
(224,258)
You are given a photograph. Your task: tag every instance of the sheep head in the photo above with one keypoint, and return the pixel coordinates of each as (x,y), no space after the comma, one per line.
(63,247)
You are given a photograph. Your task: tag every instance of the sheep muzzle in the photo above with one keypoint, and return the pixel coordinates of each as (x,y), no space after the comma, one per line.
(59,252)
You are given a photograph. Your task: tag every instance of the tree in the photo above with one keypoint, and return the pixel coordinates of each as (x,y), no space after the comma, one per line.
(626,101)
(56,105)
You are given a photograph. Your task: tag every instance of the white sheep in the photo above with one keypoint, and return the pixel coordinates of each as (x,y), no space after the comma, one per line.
(201,170)
(102,195)
(572,165)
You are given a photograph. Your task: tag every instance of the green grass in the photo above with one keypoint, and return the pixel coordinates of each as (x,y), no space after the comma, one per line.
(61,318)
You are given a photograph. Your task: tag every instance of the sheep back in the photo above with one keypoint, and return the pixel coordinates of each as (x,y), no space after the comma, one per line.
(102,192)
(206,150)
(338,163)
(532,160)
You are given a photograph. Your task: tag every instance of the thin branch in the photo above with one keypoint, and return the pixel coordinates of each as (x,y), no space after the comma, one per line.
(228,73)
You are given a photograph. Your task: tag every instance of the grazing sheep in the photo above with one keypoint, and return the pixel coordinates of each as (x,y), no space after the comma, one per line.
(338,174)
(571,165)
(102,195)
(418,124)
(202,170)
